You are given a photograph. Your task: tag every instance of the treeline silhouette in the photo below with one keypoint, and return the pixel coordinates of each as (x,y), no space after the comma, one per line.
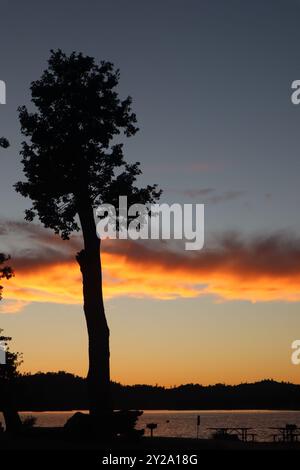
(64,391)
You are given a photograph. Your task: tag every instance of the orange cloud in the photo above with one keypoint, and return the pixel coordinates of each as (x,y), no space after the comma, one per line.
(262,269)
(12,306)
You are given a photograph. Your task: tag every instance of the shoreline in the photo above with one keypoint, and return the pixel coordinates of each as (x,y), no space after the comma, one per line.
(167,410)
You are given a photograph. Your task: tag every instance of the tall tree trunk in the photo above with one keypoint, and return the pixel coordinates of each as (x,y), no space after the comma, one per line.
(98,332)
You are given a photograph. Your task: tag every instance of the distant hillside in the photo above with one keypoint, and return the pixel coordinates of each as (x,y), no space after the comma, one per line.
(63,391)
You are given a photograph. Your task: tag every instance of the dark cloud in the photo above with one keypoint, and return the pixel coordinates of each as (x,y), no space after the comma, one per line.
(32,245)
(276,255)
(224,197)
(211,196)
(192,193)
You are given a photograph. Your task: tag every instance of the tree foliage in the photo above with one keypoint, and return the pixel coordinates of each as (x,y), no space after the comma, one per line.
(9,370)
(5,271)
(71,156)
(13,360)
(4,142)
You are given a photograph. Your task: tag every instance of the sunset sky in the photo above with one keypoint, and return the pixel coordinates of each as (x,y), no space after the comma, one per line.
(211,86)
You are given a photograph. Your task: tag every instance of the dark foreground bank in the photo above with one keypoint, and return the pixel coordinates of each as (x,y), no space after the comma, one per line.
(54,439)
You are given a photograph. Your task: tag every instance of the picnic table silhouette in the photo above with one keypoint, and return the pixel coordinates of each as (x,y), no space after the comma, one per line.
(241,432)
(287,433)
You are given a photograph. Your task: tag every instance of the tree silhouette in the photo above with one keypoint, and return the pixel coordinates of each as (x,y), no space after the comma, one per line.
(5,271)
(72,163)
(4,142)
(8,371)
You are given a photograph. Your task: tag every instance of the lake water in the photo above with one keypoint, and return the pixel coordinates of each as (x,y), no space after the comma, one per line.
(184,423)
